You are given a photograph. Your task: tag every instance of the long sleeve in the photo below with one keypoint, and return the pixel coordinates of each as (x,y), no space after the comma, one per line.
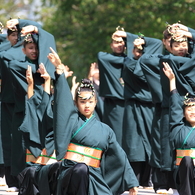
(65,115)
(44,50)
(118,175)
(150,67)
(110,67)
(176,110)
(129,44)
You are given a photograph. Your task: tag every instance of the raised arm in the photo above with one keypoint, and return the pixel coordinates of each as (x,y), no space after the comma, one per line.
(46,77)
(30,81)
(60,68)
(170,75)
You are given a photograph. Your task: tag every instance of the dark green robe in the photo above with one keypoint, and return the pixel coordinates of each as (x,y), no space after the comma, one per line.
(111,86)
(183,86)
(138,114)
(37,126)
(150,67)
(7,54)
(17,63)
(110,178)
(4,45)
(179,128)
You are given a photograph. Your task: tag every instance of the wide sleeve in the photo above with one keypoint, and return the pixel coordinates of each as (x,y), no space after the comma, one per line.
(188,70)
(3,37)
(30,126)
(152,46)
(46,40)
(151,70)
(23,23)
(118,175)
(176,110)
(129,43)
(111,67)
(65,115)
(5,45)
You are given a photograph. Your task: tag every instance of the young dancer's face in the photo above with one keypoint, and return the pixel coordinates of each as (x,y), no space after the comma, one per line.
(13,38)
(189,114)
(86,107)
(118,47)
(31,51)
(137,53)
(179,48)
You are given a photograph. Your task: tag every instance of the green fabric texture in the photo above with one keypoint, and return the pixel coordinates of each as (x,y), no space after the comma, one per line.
(118,176)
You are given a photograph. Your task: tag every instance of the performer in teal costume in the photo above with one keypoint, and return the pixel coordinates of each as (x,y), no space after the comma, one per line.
(138,113)
(111,83)
(182,122)
(82,128)
(17,65)
(18,72)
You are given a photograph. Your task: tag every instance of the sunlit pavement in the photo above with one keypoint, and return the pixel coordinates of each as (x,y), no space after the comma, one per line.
(140,191)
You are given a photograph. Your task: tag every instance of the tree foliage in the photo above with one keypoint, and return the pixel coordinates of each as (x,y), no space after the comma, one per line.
(13,9)
(82,28)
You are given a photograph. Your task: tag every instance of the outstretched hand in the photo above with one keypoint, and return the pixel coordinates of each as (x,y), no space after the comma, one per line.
(29,77)
(133,191)
(43,72)
(67,72)
(60,68)
(74,86)
(54,58)
(93,70)
(168,71)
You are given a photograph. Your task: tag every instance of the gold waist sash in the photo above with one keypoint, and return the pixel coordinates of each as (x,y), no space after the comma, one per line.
(180,153)
(87,155)
(43,158)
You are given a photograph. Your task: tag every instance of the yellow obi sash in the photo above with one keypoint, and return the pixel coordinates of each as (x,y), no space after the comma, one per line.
(180,153)
(42,159)
(87,155)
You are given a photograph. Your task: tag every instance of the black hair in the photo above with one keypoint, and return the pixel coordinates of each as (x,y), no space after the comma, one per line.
(166,34)
(173,41)
(9,32)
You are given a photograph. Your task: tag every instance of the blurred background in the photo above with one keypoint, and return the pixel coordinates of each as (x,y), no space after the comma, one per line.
(82,28)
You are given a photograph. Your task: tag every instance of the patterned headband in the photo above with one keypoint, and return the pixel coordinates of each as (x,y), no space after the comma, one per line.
(189,101)
(85,85)
(1,28)
(29,38)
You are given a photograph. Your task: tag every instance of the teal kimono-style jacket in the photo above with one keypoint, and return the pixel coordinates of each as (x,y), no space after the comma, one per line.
(139,108)
(183,86)
(70,126)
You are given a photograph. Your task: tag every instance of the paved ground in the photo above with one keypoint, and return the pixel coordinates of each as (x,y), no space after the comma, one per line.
(140,192)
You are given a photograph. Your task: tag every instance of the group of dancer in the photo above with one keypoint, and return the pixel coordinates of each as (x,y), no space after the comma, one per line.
(120,128)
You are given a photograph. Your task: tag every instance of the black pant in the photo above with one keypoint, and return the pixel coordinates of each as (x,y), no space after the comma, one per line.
(2,170)
(159,179)
(27,184)
(11,180)
(74,179)
(142,171)
(185,177)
